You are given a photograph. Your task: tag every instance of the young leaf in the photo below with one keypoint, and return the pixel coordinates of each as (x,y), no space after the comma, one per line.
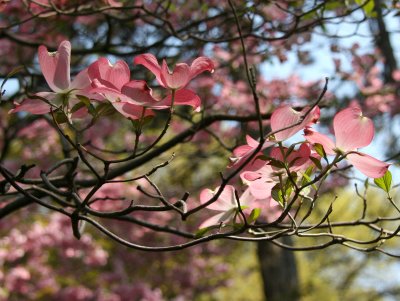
(316,162)
(385,182)
(276,194)
(199,233)
(77,106)
(255,213)
(104,109)
(60,117)
(320,150)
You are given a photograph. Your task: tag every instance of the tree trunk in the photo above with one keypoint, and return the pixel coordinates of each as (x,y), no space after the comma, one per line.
(279,272)
(382,41)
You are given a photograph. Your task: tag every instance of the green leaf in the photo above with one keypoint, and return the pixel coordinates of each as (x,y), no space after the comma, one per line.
(77,106)
(199,233)
(60,117)
(84,100)
(385,182)
(333,5)
(277,163)
(88,104)
(307,178)
(277,195)
(264,158)
(320,150)
(104,109)
(368,7)
(255,213)
(316,162)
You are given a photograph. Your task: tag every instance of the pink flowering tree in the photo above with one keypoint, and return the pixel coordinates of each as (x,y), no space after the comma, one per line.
(105,139)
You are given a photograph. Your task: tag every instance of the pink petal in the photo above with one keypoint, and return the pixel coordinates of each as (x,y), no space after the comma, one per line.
(200,65)
(247,199)
(140,92)
(183,97)
(111,94)
(81,81)
(114,3)
(276,153)
(33,106)
(265,172)
(242,150)
(261,189)
(352,130)
(225,201)
(250,176)
(150,62)
(368,165)
(81,113)
(131,111)
(216,220)
(55,66)
(286,116)
(314,137)
(252,142)
(177,79)
(113,76)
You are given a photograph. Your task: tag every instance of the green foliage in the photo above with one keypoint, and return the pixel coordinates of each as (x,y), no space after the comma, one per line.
(368,7)
(385,182)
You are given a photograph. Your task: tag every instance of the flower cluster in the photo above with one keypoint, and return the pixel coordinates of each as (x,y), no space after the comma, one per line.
(271,180)
(104,83)
(274,179)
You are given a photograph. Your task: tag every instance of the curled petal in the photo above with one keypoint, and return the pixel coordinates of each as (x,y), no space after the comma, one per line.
(252,142)
(140,92)
(150,62)
(113,76)
(183,97)
(369,166)
(314,137)
(177,79)
(131,111)
(33,106)
(242,150)
(250,176)
(200,65)
(55,66)
(352,130)
(110,94)
(285,117)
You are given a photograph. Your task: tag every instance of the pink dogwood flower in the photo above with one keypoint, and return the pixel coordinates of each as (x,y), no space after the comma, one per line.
(131,97)
(112,82)
(226,204)
(281,118)
(55,67)
(286,116)
(242,152)
(262,180)
(352,131)
(177,79)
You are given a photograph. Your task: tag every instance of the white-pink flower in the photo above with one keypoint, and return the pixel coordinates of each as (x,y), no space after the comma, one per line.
(286,117)
(226,205)
(177,79)
(352,131)
(55,67)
